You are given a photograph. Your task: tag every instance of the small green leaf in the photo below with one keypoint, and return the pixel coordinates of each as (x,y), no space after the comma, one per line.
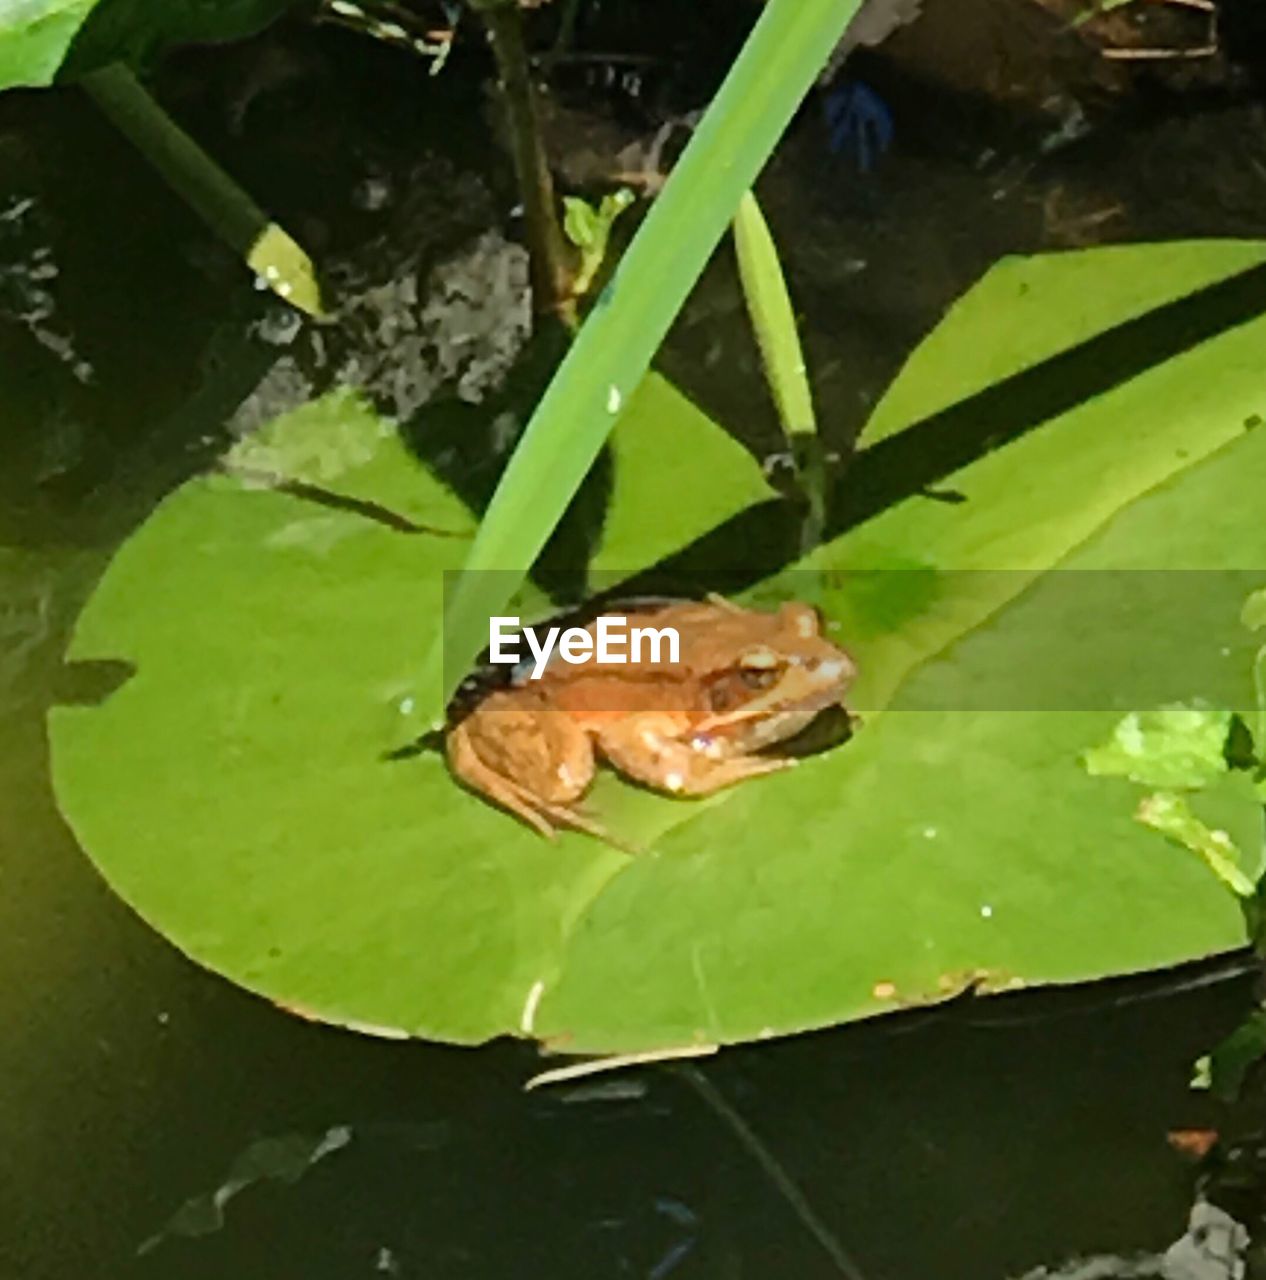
(774,323)
(1231,1061)
(1175,746)
(769,306)
(1253,615)
(589,229)
(580,221)
(1168,813)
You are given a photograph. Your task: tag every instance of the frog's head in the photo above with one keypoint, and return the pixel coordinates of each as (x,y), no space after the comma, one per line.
(781,672)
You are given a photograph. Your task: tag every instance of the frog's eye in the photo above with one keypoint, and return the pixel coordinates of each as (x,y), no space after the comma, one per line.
(758,668)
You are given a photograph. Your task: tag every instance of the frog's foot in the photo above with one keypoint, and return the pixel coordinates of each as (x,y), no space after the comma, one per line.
(858,123)
(557,816)
(649,749)
(549,818)
(544,816)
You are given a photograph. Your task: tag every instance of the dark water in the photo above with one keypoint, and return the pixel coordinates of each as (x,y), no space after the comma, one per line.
(973,1142)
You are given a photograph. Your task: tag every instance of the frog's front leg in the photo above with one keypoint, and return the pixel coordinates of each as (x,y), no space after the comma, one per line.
(530,760)
(653,749)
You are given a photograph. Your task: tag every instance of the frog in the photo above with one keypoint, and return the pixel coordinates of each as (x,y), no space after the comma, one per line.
(743,680)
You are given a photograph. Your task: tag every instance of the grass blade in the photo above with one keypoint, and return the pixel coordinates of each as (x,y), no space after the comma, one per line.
(774,71)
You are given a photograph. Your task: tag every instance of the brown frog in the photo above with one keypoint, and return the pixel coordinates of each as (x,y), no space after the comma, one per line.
(744,680)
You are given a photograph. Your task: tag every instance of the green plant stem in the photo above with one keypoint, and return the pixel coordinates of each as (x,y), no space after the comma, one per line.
(814,476)
(549,266)
(269,251)
(776,68)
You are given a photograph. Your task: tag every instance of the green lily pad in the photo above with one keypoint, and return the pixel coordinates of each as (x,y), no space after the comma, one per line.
(236,790)
(941,848)
(1253,615)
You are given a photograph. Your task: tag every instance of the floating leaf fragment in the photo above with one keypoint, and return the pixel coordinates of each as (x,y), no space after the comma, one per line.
(1168,813)
(1178,746)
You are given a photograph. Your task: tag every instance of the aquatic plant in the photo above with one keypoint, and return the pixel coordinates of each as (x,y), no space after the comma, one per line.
(1205,767)
(1075,419)
(1097,436)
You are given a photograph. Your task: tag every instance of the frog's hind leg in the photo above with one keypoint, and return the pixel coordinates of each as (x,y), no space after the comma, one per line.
(472,771)
(542,815)
(649,750)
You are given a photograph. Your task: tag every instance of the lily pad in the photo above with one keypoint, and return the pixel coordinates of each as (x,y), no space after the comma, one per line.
(939,849)
(236,790)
